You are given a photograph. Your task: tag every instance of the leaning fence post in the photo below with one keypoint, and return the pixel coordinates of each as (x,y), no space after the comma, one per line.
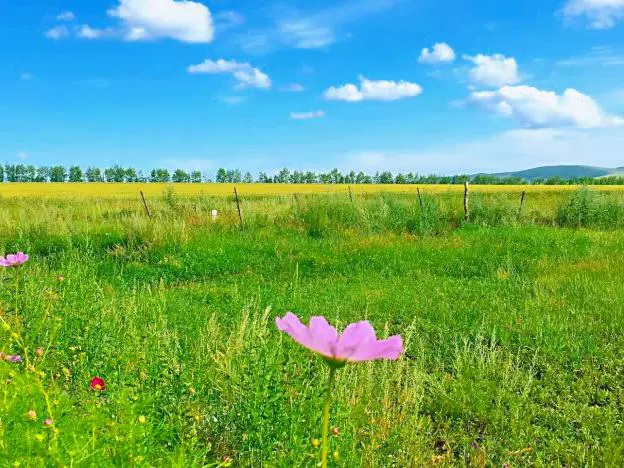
(240,215)
(521,204)
(147,210)
(466,205)
(419,199)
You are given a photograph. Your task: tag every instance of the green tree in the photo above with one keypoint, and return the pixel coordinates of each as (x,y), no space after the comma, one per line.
(58,174)
(130,175)
(43,174)
(94,174)
(160,175)
(180,176)
(282,177)
(386,178)
(75,174)
(221,176)
(196,177)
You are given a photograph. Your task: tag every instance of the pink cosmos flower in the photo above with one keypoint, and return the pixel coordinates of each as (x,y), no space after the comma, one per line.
(12,260)
(358,342)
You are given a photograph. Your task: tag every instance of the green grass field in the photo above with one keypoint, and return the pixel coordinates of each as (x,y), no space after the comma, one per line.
(512,323)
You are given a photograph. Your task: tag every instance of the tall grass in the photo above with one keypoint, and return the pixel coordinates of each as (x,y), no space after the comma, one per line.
(512,329)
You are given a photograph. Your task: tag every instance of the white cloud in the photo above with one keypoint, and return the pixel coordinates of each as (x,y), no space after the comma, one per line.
(535,108)
(66,16)
(493,70)
(184,21)
(22,155)
(246,75)
(382,90)
(602,14)
(87,32)
(307,115)
(441,53)
(27,76)
(294,88)
(57,32)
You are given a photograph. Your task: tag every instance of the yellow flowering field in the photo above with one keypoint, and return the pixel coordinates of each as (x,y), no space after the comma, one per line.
(68,190)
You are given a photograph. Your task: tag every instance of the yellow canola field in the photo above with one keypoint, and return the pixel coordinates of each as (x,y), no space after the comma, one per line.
(106,190)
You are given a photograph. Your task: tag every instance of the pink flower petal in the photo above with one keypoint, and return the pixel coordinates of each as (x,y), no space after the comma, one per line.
(292,326)
(382,349)
(355,337)
(324,336)
(357,343)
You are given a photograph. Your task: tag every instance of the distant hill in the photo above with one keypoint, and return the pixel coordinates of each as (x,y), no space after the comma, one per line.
(565,172)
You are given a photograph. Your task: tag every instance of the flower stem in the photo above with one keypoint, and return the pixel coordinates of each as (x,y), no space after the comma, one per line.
(330,384)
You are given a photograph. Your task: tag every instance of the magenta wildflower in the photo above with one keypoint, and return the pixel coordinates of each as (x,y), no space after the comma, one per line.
(357,343)
(12,358)
(12,260)
(47,422)
(98,384)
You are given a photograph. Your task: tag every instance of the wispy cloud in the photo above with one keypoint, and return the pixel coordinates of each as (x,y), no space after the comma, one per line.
(513,150)
(225,20)
(27,76)
(307,115)
(233,100)
(87,32)
(312,29)
(293,88)
(66,16)
(57,32)
(603,56)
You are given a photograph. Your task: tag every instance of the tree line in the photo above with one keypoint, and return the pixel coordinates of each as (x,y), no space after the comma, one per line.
(30,173)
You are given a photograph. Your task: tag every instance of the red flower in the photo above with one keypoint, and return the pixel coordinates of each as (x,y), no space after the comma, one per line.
(98,384)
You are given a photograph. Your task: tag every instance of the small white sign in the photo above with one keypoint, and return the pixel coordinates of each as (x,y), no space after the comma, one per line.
(213,215)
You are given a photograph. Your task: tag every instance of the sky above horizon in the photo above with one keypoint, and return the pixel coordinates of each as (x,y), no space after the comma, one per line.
(427,86)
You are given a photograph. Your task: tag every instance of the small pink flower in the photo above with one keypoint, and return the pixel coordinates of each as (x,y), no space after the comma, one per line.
(358,342)
(39,351)
(12,358)
(47,422)
(12,260)
(98,384)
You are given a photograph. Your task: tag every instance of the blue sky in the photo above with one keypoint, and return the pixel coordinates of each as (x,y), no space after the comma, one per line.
(444,86)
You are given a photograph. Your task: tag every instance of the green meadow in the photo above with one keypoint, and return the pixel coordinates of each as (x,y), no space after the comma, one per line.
(512,324)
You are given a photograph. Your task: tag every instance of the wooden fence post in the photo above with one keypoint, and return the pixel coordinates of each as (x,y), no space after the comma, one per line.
(419,199)
(240,215)
(521,204)
(466,204)
(147,210)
